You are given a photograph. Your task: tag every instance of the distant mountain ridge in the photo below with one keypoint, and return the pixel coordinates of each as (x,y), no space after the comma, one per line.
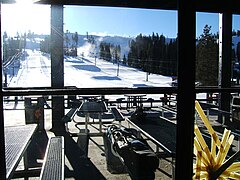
(114,40)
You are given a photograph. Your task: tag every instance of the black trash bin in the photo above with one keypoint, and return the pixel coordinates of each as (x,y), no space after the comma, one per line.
(34,111)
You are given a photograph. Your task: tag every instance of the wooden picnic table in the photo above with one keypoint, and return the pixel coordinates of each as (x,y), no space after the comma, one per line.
(95,107)
(134,100)
(17,139)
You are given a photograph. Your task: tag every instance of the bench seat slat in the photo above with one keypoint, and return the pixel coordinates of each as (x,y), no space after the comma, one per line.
(117,114)
(53,167)
(70,115)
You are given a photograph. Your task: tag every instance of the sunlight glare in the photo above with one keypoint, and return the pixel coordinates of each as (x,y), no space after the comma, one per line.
(25,16)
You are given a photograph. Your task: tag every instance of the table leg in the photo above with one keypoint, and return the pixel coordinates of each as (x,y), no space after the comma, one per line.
(100,122)
(86,122)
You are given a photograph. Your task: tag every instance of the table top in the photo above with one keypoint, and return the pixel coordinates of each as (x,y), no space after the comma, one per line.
(17,139)
(135,95)
(90,97)
(93,107)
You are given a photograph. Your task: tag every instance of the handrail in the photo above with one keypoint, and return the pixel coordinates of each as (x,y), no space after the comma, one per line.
(86,91)
(108,90)
(10,60)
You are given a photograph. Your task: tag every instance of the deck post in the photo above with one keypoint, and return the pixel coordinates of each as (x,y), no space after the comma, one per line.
(57,65)
(186,89)
(225,61)
(2,139)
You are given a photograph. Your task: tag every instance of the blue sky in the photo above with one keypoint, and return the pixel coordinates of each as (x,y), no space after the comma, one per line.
(121,21)
(103,20)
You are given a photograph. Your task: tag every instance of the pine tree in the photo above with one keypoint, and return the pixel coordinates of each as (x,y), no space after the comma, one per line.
(75,38)
(45,45)
(207,58)
(124,60)
(238,51)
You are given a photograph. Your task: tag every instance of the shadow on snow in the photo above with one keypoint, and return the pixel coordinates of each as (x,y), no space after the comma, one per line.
(106,78)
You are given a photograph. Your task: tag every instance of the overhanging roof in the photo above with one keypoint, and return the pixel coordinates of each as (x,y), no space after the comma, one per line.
(200,5)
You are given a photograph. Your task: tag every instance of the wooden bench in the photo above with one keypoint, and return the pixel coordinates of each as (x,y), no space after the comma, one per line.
(70,115)
(117,114)
(53,165)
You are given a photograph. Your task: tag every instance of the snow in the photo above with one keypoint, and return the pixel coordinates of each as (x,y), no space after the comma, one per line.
(86,72)
(81,72)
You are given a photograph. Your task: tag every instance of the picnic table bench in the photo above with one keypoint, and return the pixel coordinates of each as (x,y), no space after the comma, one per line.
(53,166)
(117,114)
(70,115)
(17,139)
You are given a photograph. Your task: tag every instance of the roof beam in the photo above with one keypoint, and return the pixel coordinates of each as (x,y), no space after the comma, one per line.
(217,6)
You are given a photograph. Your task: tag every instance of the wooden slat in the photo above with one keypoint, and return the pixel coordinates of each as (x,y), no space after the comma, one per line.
(53,167)
(17,139)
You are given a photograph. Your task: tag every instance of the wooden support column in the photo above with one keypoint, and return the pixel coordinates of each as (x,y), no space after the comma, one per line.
(2,139)
(186,89)
(2,145)
(225,60)
(57,65)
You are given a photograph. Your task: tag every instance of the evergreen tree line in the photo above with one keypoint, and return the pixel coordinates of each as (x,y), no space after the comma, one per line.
(13,45)
(70,44)
(153,54)
(236,33)
(109,52)
(45,45)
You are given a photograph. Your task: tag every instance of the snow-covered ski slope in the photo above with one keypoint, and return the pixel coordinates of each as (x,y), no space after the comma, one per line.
(35,71)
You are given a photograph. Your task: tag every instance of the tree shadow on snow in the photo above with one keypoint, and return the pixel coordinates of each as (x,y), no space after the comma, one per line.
(106,78)
(91,68)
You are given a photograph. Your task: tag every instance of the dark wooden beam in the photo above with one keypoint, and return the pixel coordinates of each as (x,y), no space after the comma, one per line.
(2,139)
(186,89)
(216,6)
(57,65)
(225,61)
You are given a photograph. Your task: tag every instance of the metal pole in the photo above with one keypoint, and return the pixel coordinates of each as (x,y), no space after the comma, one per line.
(118,68)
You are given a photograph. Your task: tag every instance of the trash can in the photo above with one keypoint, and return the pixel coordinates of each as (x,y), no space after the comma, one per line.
(34,111)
